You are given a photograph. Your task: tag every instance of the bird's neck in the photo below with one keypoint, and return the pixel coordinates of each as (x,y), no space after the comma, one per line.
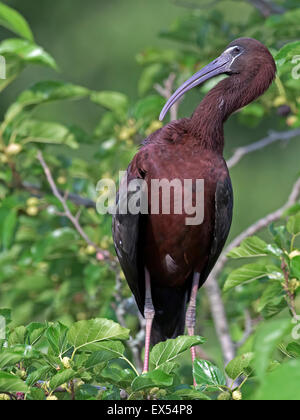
(230,95)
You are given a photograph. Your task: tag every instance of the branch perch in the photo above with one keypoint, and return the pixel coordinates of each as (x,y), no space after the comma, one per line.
(261,144)
(67,213)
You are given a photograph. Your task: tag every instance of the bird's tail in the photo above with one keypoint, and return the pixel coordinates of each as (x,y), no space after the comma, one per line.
(170,309)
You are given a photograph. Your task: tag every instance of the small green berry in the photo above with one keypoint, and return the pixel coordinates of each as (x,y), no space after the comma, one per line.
(225,396)
(237,396)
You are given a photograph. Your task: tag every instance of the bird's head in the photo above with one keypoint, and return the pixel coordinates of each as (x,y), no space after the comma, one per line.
(244,58)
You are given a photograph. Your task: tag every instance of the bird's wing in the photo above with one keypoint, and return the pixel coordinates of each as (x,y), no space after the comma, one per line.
(127,234)
(223,220)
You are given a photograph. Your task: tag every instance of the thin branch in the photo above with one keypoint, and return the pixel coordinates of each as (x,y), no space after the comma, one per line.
(248,330)
(290,296)
(166,92)
(219,316)
(136,344)
(212,286)
(195,6)
(261,144)
(258,226)
(267,7)
(74,198)
(67,213)
(120,303)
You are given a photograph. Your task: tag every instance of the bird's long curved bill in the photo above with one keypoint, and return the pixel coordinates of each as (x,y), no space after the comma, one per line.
(218,66)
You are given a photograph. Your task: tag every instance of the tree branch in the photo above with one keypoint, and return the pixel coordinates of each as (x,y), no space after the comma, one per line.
(212,287)
(258,226)
(134,345)
(74,198)
(67,213)
(267,7)
(261,144)
(166,92)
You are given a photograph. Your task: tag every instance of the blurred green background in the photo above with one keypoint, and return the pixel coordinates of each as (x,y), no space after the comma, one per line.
(101,44)
(95,44)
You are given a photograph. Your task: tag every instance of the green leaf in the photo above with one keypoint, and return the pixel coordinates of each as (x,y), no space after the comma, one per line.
(149,108)
(106,351)
(40,374)
(148,77)
(238,365)
(153,379)
(84,333)
(294,349)
(35,332)
(113,101)
(16,354)
(274,290)
(36,394)
(9,228)
(295,267)
(61,378)
(169,367)
(281,384)
(206,373)
(27,51)
(169,350)
(14,66)
(267,337)
(45,92)
(11,383)
(17,336)
(250,247)
(9,358)
(34,131)
(57,337)
(274,307)
(12,20)
(118,376)
(293,224)
(189,394)
(287,52)
(251,272)
(6,313)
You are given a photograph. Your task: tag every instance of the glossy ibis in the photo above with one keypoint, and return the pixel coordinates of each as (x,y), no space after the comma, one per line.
(166,261)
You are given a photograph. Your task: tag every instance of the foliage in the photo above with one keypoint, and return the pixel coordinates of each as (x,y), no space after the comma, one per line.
(48,272)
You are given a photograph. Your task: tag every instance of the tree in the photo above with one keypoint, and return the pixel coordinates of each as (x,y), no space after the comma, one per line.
(56,253)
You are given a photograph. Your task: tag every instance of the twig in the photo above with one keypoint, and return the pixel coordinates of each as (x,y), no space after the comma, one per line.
(195,6)
(119,308)
(248,330)
(212,287)
(166,92)
(290,296)
(67,213)
(261,144)
(267,7)
(257,226)
(74,198)
(136,344)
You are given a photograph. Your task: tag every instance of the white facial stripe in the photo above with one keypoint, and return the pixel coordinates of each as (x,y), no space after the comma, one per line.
(230,49)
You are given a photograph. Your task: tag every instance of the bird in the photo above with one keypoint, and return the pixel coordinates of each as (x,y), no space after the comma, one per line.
(164,259)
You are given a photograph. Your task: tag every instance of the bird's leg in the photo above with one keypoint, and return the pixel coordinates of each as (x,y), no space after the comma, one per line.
(191,313)
(149,314)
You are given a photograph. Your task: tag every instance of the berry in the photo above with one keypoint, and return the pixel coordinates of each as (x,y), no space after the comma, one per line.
(237,396)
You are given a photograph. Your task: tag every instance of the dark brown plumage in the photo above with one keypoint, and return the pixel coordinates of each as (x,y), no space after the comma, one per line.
(175,255)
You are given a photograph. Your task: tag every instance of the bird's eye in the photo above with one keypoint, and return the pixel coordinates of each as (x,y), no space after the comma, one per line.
(237,51)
